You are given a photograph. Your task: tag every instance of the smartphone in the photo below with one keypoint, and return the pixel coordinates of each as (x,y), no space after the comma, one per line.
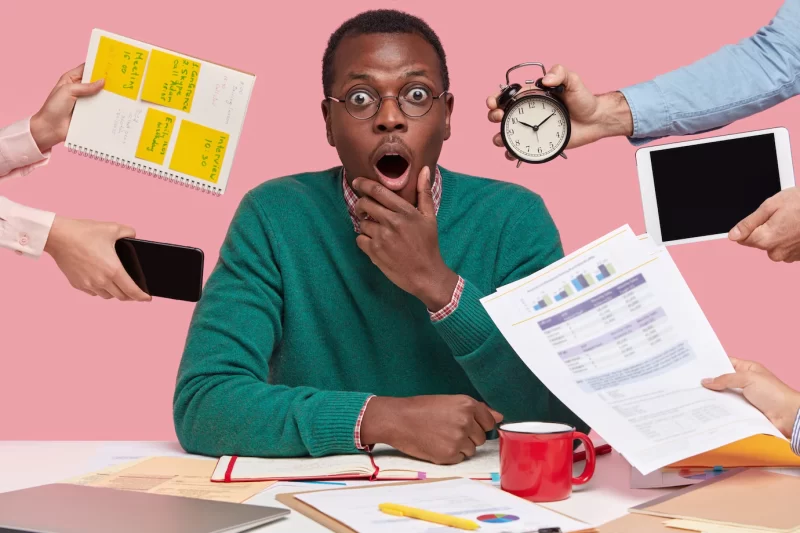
(163,270)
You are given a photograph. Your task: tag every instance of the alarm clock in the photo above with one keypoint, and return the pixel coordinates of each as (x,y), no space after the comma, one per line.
(536,126)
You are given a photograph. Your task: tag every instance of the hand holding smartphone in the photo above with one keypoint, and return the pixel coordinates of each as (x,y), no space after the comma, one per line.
(163,270)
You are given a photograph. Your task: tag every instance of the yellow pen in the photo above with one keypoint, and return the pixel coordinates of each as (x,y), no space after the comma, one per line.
(428,516)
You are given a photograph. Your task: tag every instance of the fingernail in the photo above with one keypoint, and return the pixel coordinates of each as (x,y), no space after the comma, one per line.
(735,234)
(548,78)
(706,381)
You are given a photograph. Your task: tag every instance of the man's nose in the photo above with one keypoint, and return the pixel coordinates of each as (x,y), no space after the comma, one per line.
(390,118)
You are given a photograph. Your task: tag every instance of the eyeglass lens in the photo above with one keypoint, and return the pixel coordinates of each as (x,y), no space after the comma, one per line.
(415,99)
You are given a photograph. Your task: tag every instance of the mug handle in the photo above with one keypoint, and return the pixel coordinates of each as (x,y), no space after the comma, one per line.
(588,470)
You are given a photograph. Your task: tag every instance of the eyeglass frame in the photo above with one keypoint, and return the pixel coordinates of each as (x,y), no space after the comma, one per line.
(382,98)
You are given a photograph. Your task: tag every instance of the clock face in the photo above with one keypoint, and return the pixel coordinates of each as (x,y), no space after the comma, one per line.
(535,128)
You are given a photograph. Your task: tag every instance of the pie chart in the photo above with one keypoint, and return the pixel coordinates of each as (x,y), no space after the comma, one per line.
(497,518)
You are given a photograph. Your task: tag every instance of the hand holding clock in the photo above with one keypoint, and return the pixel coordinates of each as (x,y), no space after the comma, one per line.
(592,117)
(403,241)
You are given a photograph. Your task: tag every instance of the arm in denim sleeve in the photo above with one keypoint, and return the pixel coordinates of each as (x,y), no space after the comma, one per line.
(737,81)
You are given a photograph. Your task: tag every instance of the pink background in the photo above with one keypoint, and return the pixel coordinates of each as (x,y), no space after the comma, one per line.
(76,367)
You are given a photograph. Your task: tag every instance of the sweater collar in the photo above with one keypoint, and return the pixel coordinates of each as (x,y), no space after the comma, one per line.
(350,197)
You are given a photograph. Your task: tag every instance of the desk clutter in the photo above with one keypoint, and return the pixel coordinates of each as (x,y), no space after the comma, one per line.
(739,501)
(735,500)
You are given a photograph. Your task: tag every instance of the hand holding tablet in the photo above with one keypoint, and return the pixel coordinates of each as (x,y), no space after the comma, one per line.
(701,189)
(774,227)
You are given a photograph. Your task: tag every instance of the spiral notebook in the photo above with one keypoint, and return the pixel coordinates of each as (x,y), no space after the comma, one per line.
(161,113)
(383,463)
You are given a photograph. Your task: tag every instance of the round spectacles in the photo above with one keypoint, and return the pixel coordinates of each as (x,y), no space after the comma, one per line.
(363,102)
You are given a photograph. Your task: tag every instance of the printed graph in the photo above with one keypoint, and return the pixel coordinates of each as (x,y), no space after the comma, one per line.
(582,281)
(497,518)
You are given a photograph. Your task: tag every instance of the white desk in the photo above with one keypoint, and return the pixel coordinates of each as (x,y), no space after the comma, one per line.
(27,464)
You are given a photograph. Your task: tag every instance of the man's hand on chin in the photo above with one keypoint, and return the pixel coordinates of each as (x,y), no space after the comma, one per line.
(403,241)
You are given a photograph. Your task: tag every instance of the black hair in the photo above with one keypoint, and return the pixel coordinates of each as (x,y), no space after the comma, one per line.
(380,21)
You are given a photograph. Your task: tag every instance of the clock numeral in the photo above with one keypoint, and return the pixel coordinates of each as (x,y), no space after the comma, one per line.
(511,131)
(558,134)
(551,145)
(560,122)
(527,148)
(520,110)
(543,105)
(540,149)
(531,104)
(513,121)
(517,142)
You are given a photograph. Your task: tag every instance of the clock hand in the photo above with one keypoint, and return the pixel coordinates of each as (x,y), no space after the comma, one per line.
(534,128)
(545,120)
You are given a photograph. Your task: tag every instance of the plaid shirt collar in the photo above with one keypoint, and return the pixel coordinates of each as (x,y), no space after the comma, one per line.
(350,197)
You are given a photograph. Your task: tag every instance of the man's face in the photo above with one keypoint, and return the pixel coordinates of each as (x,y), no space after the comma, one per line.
(391,147)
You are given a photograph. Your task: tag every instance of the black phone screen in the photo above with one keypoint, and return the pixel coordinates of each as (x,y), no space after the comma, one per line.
(706,189)
(163,270)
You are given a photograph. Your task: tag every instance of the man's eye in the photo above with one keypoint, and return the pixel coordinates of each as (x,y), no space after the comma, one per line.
(361,98)
(417,95)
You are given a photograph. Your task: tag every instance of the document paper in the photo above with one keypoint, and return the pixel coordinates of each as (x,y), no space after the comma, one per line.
(615,333)
(491,508)
(173,476)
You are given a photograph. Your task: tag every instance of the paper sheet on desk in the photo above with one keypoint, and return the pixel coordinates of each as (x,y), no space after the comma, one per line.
(175,476)
(615,333)
(493,509)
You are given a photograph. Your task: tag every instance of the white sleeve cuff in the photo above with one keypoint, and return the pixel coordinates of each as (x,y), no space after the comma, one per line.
(24,229)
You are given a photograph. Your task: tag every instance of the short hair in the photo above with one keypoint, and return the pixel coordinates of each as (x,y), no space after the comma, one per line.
(380,21)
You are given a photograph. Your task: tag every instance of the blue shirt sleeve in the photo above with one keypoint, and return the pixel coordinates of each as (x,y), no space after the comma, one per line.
(737,81)
(796,435)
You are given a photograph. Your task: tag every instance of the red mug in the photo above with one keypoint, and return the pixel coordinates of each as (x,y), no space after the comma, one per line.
(536,460)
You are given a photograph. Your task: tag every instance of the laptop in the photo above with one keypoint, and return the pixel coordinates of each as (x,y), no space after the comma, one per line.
(64,508)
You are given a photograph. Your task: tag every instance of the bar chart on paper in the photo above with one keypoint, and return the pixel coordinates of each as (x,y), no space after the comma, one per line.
(589,272)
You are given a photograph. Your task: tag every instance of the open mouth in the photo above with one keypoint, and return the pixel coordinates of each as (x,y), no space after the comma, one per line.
(392,170)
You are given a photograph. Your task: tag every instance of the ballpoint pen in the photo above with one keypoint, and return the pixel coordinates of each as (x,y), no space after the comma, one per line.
(428,516)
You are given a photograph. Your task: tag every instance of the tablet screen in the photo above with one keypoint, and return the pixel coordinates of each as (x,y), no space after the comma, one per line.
(706,189)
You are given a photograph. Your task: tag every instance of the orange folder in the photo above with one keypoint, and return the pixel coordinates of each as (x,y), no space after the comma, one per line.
(755,451)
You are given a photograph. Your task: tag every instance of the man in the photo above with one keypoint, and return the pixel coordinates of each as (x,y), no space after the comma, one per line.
(735,82)
(82,249)
(344,310)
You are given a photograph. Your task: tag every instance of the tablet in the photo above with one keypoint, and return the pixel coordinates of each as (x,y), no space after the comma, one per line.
(699,190)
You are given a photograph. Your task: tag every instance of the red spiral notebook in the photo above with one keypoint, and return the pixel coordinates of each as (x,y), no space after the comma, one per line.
(384,463)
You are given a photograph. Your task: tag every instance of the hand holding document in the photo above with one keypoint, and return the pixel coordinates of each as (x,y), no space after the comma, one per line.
(615,333)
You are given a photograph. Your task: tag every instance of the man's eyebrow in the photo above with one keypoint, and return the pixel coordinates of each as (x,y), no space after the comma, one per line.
(366,77)
(415,73)
(359,76)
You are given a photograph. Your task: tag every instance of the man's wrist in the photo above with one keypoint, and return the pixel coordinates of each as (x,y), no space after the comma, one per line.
(615,115)
(54,236)
(789,415)
(377,424)
(44,134)
(440,291)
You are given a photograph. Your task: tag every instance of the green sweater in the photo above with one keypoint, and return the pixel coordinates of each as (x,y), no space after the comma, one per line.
(297,327)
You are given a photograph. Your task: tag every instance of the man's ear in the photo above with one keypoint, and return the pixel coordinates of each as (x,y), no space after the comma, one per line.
(449,103)
(326,115)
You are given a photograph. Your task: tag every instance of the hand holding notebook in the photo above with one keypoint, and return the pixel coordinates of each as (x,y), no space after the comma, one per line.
(164,114)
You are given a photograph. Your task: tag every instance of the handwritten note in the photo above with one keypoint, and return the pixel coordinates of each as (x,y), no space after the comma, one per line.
(121,65)
(171,81)
(155,136)
(199,151)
